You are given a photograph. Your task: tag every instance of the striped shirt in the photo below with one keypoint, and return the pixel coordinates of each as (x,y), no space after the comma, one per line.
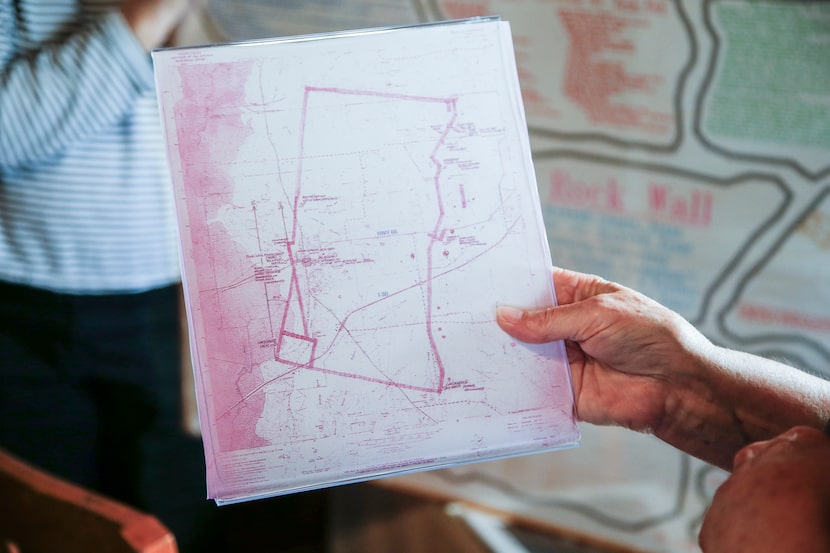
(85,195)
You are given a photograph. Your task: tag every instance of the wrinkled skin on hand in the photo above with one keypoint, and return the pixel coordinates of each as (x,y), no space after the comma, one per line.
(777,499)
(621,347)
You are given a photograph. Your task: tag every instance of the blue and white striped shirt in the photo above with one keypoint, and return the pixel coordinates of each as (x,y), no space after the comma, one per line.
(85,196)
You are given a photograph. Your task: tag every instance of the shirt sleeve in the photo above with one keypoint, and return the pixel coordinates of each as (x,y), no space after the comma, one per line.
(66,90)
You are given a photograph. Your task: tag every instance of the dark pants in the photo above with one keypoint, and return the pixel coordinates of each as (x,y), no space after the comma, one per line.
(90,390)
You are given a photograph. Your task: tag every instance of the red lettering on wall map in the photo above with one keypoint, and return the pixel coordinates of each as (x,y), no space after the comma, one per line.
(592,82)
(783,317)
(692,209)
(601,195)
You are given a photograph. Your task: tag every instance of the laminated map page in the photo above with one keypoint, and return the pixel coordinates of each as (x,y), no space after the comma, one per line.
(353,207)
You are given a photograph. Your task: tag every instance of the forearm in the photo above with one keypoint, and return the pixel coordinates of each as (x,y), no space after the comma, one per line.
(732,399)
(63,92)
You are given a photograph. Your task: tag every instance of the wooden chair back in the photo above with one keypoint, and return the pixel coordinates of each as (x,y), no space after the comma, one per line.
(41,513)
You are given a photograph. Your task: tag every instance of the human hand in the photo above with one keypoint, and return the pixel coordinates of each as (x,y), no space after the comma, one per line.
(628,354)
(776,500)
(638,364)
(153,21)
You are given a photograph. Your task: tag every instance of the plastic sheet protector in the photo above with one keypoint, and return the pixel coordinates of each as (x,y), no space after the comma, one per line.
(352,208)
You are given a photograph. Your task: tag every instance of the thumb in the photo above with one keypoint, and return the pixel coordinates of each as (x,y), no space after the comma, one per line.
(534,326)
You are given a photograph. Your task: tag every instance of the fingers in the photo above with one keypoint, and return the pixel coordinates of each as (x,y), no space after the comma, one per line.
(573,286)
(565,283)
(797,437)
(533,327)
(564,322)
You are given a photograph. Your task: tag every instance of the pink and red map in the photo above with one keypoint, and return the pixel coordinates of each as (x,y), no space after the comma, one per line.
(352,211)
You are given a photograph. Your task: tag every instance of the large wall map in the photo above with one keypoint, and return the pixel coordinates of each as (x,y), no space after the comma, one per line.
(682,147)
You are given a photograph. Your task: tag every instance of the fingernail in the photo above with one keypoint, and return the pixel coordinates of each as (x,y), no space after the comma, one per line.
(509,314)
